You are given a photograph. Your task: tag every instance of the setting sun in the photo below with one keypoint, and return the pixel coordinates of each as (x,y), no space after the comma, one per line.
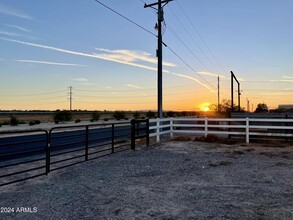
(205,107)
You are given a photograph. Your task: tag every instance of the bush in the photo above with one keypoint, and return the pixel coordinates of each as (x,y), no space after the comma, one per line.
(210,138)
(56,122)
(182,138)
(37,122)
(31,123)
(21,123)
(106,119)
(62,116)
(77,120)
(13,121)
(6,123)
(92,120)
(150,114)
(96,116)
(136,115)
(118,115)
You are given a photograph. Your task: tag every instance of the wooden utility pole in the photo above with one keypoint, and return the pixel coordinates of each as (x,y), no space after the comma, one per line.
(70,98)
(160,13)
(218,93)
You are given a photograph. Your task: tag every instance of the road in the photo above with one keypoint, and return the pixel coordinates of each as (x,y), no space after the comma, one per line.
(60,140)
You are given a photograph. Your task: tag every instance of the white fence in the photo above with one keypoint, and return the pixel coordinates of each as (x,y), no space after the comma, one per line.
(246,127)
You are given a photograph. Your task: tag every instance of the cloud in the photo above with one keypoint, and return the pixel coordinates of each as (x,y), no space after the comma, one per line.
(133,86)
(18,28)
(80,79)
(8,33)
(131,56)
(281,80)
(193,79)
(14,12)
(211,74)
(49,63)
(287,77)
(101,56)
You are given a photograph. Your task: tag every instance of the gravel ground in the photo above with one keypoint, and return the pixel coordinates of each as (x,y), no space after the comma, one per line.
(172,180)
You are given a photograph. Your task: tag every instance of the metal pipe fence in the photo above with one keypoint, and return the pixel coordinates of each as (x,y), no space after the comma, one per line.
(29,154)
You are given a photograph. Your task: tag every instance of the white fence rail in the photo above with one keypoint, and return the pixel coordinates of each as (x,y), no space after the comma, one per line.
(246,127)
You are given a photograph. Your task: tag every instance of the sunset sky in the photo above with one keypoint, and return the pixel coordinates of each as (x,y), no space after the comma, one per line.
(46,46)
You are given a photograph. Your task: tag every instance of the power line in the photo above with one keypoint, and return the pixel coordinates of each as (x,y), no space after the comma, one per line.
(202,39)
(192,53)
(39,99)
(131,21)
(191,37)
(188,65)
(35,94)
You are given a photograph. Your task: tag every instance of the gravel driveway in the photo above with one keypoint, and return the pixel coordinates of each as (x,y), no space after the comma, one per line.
(172,180)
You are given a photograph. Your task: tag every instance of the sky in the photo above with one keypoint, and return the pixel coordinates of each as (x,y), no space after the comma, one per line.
(46,47)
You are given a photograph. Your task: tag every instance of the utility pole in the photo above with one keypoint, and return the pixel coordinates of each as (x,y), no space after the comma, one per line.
(160,13)
(218,93)
(248,106)
(70,98)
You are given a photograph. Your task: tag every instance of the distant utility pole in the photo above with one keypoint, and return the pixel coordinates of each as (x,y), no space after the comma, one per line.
(160,13)
(70,98)
(248,106)
(218,93)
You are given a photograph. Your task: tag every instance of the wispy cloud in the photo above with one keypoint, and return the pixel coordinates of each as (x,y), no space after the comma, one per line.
(8,33)
(133,86)
(282,80)
(18,28)
(287,77)
(193,79)
(14,12)
(131,56)
(49,63)
(99,56)
(211,74)
(80,79)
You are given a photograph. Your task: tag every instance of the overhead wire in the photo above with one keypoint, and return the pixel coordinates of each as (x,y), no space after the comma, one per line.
(200,36)
(121,15)
(192,38)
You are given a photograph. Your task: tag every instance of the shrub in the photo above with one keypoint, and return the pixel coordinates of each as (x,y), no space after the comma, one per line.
(21,123)
(136,115)
(62,116)
(31,123)
(0,124)
(210,138)
(13,121)
(92,120)
(77,120)
(170,114)
(106,119)
(96,116)
(150,114)
(37,122)
(6,123)
(56,122)
(182,138)
(118,115)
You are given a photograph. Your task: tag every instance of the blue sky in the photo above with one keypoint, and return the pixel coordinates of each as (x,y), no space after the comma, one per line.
(47,46)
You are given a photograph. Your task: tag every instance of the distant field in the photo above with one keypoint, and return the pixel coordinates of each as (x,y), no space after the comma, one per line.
(48,116)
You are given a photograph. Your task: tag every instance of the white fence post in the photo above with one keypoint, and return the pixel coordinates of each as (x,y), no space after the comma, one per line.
(205,126)
(247,130)
(158,130)
(171,127)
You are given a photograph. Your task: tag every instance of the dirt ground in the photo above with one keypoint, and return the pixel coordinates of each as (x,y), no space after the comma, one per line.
(171,180)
